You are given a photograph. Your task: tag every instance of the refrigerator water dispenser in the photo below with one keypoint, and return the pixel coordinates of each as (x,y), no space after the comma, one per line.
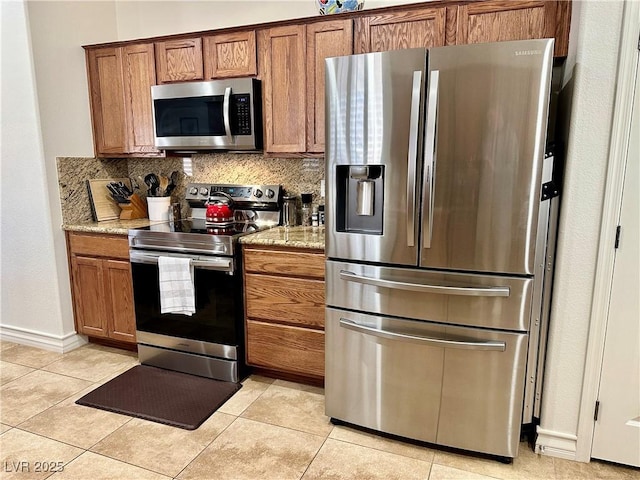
(360,191)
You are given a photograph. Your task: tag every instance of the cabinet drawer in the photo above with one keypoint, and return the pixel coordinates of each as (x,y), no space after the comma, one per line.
(99,245)
(285,348)
(280,262)
(289,300)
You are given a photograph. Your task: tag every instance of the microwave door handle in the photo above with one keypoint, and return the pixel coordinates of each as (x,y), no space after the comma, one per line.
(430,157)
(226,105)
(412,158)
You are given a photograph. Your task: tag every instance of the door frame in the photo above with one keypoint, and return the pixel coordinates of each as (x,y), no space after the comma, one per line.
(621,127)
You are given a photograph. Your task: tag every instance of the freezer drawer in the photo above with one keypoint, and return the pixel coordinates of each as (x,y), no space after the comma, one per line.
(454,386)
(462,299)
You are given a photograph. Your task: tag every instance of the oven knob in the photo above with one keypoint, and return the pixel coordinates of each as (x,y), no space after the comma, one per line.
(204,191)
(257,192)
(193,191)
(270,193)
(250,214)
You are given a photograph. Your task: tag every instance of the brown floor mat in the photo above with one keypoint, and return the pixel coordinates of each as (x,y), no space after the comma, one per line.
(162,396)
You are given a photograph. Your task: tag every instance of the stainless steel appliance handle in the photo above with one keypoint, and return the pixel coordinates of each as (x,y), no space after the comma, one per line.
(430,158)
(419,287)
(436,342)
(412,158)
(223,264)
(225,112)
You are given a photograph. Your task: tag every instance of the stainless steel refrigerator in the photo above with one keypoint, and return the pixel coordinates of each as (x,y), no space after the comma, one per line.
(439,241)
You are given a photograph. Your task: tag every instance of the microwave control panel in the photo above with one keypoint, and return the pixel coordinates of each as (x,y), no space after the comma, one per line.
(242,114)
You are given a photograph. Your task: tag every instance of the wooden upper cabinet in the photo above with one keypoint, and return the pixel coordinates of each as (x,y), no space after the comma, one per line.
(396,30)
(139,75)
(120,80)
(324,40)
(106,91)
(282,57)
(179,60)
(496,21)
(230,55)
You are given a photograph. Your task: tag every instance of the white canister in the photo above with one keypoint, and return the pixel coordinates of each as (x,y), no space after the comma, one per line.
(158,208)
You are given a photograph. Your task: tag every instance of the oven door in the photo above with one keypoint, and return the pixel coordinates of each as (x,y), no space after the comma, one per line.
(215,329)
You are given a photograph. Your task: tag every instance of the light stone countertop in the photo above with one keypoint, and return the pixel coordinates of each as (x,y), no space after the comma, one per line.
(114,227)
(295,237)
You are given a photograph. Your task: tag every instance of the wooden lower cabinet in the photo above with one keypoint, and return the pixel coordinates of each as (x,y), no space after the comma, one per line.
(284,310)
(101,286)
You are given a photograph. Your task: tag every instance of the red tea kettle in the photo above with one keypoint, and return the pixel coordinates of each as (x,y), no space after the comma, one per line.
(220,208)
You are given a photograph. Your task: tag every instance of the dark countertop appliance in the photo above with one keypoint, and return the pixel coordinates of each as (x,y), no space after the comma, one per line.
(210,342)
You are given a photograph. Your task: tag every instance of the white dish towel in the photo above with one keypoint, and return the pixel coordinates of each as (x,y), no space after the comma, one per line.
(176,286)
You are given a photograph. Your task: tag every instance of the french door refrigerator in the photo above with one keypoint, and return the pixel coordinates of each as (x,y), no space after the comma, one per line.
(437,241)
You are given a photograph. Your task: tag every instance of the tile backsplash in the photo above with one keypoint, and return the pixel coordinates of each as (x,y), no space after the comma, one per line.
(296,175)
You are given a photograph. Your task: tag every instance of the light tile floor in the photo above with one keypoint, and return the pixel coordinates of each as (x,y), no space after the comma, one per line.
(271,429)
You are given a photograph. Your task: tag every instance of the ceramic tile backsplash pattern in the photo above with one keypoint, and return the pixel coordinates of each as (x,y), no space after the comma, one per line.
(296,175)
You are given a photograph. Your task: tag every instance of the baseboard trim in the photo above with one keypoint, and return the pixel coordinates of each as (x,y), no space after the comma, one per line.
(46,341)
(556,444)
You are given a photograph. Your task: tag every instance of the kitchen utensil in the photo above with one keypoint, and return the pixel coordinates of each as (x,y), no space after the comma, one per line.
(163,184)
(135,208)
(172,182)
(220,208)
(152,182)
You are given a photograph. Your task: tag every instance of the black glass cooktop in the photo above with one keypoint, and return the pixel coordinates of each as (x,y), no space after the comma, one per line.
(197,225)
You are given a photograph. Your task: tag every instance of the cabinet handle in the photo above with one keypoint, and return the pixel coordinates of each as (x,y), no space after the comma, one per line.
(420,287)
(429,341)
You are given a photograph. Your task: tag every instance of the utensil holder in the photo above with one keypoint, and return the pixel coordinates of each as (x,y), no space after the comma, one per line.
(135,209)
(158,208)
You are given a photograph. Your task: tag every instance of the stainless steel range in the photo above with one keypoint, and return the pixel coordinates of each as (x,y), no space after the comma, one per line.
(210,342)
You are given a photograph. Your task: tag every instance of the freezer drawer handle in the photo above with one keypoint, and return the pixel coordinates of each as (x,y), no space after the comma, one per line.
(436,342)
(418,287)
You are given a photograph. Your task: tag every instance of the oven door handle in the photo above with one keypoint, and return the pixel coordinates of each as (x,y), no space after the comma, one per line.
(223,264)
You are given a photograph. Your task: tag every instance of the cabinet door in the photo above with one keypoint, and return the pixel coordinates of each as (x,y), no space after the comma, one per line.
(398,30)
(119,288)
(179,60)
(324,40)
(282,69)
(230,55)
(498,21)
(139,75)
(89,296)
(106,91)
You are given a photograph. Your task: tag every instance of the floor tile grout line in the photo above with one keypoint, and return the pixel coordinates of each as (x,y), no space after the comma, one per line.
(314,456)
(208,444)
(127,463)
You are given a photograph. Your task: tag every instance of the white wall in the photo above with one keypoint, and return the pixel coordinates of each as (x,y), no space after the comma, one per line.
(31,294)
(45,113)
(591,73)
(139,19)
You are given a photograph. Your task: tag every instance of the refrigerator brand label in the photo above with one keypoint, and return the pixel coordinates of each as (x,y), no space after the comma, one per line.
(528,52)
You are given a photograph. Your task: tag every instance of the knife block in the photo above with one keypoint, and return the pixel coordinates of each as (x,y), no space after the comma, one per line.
(135,209)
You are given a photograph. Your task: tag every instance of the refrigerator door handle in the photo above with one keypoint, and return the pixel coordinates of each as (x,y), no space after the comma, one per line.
(424,288)
(429,341)
(430,157)
(413,157)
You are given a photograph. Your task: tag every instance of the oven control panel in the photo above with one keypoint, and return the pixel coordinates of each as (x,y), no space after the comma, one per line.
(263,194)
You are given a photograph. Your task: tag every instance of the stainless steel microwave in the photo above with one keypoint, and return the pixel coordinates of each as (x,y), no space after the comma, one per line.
(212,115)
